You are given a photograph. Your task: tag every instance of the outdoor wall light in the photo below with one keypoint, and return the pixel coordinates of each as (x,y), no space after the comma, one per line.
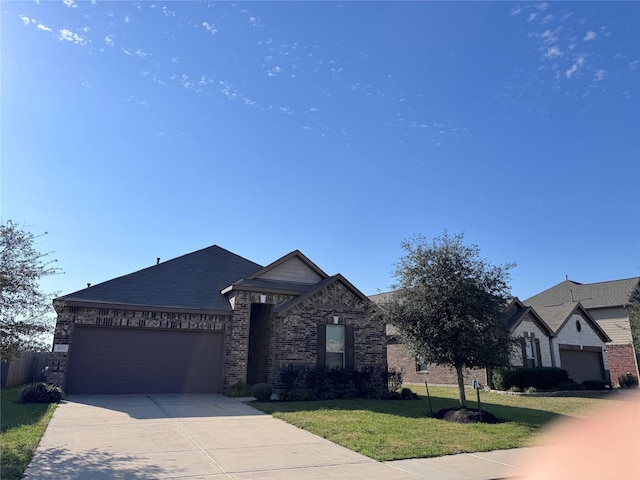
(263,299)
(336,319)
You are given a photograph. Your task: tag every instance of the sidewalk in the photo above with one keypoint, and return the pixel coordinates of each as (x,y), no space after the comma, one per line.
(498,464)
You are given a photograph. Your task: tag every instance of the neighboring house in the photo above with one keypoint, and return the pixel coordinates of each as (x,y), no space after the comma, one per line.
(577,343)
(607,303)
(208,320)
(568,338)
(534,336)
(400,358)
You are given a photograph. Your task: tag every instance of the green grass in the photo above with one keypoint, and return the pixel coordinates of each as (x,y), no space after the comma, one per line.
(391,430)
(21,427)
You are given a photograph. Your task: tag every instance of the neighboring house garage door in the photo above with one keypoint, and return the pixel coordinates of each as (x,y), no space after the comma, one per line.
(124,360)
(582,365)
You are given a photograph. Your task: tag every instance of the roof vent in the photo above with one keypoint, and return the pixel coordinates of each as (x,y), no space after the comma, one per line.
(88,285)
(157,260)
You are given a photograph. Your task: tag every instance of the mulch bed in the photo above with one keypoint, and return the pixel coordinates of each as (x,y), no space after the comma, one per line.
(466,415)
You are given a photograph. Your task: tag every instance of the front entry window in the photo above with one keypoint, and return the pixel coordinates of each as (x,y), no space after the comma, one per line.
(335,346)
(530,361)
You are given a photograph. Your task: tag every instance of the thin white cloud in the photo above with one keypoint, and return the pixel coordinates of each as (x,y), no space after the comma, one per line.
(553,52)
(140,53)
(70,3)
(274,71)
(574,68)
(44,28)
(546,19)
(532,17)
(515,11)
(599,75)
(109,40)
(168,13)
(25,20)
(210,28)
(590,35)
(542,6)
(549,36)
(69,36)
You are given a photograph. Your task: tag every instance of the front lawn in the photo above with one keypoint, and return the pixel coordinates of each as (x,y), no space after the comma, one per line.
(392,430)
(21,427)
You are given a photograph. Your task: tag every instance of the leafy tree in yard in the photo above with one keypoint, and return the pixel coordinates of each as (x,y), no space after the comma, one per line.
(448,306)
(24,309)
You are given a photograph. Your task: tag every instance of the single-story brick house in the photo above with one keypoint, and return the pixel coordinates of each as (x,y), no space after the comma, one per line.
(608,303)
(208,320)
(568,338)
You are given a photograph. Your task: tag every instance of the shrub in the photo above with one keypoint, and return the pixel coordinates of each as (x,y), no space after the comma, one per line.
(262,392)
(238,390)
(530,390)
(290,376)
(41,393)
(324,383)
(394,379)
(628,380)
(595,384)
(298,395)
(407,394)
(570,386)
(546,378)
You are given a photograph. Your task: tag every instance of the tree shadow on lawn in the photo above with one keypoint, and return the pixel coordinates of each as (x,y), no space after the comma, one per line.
(16,414)
(414,408)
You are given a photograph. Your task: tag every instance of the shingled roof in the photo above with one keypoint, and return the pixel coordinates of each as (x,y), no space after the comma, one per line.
(614,293)
(556,316)
(192,281)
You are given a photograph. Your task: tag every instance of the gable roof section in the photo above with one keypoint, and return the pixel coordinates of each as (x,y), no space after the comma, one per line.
(556,316)
(192,281)
(293,274)
(293,267)
(283,309)
(520,311)
(614,293)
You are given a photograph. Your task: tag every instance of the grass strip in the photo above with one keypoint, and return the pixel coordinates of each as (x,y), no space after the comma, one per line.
(398,429)
(21,428)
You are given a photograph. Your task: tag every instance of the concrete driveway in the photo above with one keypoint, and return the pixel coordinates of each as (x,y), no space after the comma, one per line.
(195,436)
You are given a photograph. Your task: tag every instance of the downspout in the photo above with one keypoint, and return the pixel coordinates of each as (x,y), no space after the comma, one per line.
(553,358)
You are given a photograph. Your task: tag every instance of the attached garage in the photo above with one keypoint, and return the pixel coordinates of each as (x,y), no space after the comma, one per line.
(132,360)
(583,364)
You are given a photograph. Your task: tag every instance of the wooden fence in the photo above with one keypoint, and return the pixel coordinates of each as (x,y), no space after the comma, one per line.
(28,368)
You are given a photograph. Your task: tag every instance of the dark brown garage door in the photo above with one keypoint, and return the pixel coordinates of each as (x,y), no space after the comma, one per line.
(123,360)
(582,364)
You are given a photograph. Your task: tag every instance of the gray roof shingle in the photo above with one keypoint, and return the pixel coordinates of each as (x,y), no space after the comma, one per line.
(192,281)
(590,295)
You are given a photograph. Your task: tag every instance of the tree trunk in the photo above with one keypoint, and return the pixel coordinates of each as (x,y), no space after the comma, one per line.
(461,394)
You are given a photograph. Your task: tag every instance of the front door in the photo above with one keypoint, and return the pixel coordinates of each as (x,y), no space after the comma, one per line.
(259,335)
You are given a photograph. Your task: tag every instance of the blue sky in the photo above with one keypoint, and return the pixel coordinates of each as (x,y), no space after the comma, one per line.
(136,130)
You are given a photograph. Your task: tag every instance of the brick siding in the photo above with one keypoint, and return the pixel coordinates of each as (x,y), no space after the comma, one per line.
(400,358)
(622,359)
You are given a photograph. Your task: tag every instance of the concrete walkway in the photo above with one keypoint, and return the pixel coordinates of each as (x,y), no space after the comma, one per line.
(498,464)
(208,436)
